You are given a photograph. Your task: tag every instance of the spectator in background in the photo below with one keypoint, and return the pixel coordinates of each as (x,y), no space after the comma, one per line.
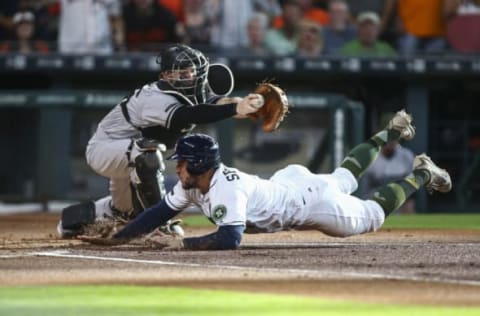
(310,39)
(386,10)
(310,11)
(256,29)
(46,14)
(393,163)
(230,19)
(24,27)
(196,27)
(462,28)
(423,25)
(339,30)
(90,26)
(283,41)
(148,25)
(367,43)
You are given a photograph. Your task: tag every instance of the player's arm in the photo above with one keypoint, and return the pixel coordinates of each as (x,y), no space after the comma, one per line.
(147,221)
(210,113)
(225,238)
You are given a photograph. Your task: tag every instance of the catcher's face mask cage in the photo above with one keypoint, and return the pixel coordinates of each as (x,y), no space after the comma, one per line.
(186,70)
(200,151)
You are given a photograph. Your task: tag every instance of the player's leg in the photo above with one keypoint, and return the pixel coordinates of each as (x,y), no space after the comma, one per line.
(108,158)
(338,214)
(362,155)
(75,218)
(391,196)
(140,161)
(329,207)
(147,172)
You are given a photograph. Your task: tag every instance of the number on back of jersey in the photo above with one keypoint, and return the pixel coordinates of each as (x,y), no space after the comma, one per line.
(231,174)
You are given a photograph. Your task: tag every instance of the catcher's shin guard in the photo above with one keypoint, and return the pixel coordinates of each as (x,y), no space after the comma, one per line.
(75,218)
(149,167)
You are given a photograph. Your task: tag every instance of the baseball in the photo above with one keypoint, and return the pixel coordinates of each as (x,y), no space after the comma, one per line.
(258,101)
(178,230)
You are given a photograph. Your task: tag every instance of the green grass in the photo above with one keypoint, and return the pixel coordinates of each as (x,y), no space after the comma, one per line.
(136,300)
(442,221)
(196,221)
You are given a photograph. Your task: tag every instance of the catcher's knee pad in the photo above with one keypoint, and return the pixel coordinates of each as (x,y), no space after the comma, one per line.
(75,217)
(149,167)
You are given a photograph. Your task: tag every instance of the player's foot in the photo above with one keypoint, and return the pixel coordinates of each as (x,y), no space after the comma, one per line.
(402,122)
(439,178)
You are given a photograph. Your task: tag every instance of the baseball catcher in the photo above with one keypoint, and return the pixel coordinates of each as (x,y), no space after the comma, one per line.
(273,105)
(293,198)
(130,140)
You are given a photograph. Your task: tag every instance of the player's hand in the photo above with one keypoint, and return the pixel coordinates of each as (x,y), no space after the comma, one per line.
(228,100)
(248,105)
(159,240)
(102,241)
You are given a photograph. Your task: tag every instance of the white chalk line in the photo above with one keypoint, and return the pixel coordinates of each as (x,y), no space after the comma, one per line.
(15,256)
(303,272)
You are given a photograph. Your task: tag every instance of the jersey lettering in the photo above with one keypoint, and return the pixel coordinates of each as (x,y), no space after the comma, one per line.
(230,174)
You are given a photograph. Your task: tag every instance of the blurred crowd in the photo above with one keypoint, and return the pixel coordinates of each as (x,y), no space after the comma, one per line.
(301,28)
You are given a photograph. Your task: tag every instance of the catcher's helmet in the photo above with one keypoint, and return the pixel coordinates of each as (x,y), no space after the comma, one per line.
(199,150)
(191,67)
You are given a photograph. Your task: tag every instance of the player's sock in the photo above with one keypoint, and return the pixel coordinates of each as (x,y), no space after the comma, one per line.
(362,155)
(393,195)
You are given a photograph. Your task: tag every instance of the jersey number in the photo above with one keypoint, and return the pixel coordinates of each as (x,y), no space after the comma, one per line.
(231,174)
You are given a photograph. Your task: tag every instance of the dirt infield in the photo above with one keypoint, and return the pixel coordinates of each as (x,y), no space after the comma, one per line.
(440,267)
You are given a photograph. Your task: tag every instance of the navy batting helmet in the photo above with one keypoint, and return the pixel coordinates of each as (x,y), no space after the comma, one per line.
(199,150)
(183,59)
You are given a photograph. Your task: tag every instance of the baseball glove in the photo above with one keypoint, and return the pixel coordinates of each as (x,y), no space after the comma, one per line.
(275,106)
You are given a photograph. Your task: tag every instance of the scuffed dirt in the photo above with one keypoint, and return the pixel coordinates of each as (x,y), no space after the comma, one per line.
(435,267)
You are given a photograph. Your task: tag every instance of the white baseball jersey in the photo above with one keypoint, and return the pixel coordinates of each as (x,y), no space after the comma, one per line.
(293,197)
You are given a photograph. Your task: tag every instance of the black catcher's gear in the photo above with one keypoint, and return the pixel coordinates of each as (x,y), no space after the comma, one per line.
(191,67)
(149,167)
(75,217)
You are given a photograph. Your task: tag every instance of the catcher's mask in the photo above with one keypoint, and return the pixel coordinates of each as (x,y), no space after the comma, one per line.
(185,69)
(199,150)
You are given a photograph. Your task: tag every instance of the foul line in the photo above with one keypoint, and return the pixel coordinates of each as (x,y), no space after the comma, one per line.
(312,273)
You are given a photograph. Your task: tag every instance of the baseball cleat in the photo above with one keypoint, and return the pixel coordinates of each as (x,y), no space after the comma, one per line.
(439,178)
(402,122)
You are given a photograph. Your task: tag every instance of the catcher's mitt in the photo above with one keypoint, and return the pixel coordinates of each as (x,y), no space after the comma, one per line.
(275,106)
